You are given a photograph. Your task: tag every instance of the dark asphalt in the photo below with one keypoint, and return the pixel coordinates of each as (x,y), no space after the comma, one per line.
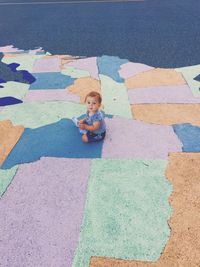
(155,32)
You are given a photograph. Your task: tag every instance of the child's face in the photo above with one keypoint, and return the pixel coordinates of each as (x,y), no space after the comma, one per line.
(92,104)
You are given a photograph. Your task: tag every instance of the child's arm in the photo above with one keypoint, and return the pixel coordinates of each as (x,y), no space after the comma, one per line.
(90,128)
(82,121)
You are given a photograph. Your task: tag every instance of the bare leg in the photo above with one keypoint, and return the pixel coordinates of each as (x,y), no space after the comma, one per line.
(84,138)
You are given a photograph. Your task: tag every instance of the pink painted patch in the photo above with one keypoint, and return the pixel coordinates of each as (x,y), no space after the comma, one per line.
(9,49)
(162,94)
(50,95)
(42,212)
(88,64)
(47,64)
(131,139)
(130,69)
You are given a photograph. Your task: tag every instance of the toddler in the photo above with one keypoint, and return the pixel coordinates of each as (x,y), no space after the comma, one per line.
(93,125)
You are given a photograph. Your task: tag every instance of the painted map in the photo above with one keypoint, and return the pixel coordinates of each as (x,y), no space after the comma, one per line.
(131,200)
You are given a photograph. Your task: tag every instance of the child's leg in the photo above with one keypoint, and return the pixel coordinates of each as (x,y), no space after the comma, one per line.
(85,138)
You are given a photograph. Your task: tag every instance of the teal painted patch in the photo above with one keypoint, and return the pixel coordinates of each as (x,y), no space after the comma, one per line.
(115,97)
(110,66)
(189,73)
(51,80)
(126,211)
(6,177)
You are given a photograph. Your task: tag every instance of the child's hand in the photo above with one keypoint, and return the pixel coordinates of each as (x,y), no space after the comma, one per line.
(82,126)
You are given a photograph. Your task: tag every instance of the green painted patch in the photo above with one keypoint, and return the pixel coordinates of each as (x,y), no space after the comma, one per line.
(37,114)
(26,61)
(115,97)
(75,73)
(126,211)
(6,177)
(189,73)
(14,89)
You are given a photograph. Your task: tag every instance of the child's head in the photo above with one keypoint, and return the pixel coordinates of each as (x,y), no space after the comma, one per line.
(93,101)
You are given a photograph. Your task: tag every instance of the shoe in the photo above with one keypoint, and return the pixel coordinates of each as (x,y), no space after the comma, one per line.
(75,121)
(82,131)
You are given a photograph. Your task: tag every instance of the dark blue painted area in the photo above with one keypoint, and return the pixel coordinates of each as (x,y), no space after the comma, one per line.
(9,100)
(189,135)
(154,32)
(2,81)
(13,66)
(110,66)
(10,73)
(197,78)
(51,80)
(61,139)
(26,76)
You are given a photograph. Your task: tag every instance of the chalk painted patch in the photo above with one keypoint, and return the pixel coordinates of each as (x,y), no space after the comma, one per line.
(126,211)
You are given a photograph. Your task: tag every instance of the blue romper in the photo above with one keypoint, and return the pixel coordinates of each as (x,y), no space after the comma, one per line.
(100,133)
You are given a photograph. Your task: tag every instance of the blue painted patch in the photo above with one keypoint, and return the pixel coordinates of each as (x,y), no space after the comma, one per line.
(189,135)
(110,66)
(51,80)
(13,66)
(28,76)
(9,100)
(60,139)
(1,86)
(2,81)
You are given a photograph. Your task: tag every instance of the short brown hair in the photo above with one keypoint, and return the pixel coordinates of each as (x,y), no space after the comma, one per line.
(94,94)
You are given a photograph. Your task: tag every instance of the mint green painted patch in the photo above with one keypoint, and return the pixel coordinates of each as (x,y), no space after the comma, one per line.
(126,211)
(115,97)
(14,89)
(6,177)
(75,73)
(189,73)
(37,114)
(26,61)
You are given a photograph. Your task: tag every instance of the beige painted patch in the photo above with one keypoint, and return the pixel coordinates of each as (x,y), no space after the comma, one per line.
(167,114)
(9,136)
(155,77)
(184,244)
(65,59)
(82,86)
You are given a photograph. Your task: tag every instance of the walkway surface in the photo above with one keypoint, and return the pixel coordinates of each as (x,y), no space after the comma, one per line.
(131,200)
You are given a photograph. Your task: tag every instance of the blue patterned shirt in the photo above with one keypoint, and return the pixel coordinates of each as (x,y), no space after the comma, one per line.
(98,116)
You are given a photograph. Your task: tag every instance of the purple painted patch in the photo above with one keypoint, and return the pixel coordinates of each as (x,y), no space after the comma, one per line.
(47,64)
(162,94)
(88,64)
(50,95)
(131,139)
(130,69)
(42,211)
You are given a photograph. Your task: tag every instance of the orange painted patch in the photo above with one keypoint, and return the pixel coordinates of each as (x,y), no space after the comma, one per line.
(9,136)
(155,77)
(167,114)
(82,86)
(184,244)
